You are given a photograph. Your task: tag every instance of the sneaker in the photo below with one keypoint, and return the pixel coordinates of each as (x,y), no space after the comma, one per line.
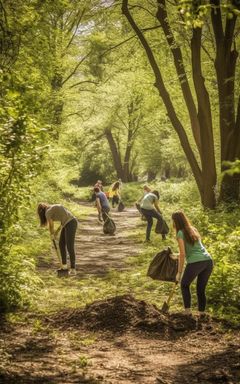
(147,241)
(72,272)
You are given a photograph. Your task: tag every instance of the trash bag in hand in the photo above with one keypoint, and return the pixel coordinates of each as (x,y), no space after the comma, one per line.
(109,227)
(163,267)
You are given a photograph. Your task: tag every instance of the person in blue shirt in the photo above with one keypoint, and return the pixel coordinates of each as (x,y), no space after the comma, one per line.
(199,263)
(102,204)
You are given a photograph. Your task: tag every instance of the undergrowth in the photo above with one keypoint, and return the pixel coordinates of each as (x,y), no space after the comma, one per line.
(220,230)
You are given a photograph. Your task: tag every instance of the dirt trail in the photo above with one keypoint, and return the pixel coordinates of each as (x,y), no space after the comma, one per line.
(96,252)
(146,347)
(119,340)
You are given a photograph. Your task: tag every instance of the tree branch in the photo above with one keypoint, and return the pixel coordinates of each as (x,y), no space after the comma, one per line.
(145,9)
(237,129)
(229,34)
(162,17)
(82,82)
(75,69)
(76,28)
(165,96)
(204,107)
(4,12)
(128,39)
(207,53)
(122,121)
(217,21)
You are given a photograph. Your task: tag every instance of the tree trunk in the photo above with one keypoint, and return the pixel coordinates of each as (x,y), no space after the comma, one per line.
(127,156)
(160,85)
(167,171)
(151,176)
(209,174)
(230,188)
(180,172)
(162,17)
(126,168)
(225,65)
(115,155)
(57,103)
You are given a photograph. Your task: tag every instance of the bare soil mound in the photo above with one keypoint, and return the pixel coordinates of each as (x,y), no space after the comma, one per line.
(124,313)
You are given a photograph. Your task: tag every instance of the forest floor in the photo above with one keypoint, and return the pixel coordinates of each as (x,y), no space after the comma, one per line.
(119,339)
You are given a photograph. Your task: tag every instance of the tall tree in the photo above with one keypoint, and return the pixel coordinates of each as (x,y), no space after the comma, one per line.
(198,105)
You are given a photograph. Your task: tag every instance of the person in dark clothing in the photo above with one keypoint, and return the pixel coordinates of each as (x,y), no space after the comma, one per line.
(199,262)
(150,209)
(48,214)
(102,204)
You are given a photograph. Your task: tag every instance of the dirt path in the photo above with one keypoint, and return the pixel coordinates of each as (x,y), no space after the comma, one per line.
(120,340)
(81,346)
(96,252)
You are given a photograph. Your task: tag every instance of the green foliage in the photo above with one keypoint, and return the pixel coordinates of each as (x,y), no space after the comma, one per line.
(17,276)
(194,12)
(220,233)
(233,168)
(65,80)
(25,123)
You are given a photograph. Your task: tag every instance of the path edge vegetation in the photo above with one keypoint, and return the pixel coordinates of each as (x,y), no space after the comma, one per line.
(27,136)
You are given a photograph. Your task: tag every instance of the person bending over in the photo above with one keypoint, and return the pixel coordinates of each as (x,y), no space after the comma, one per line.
(102,204)
(198,261)
(150,209)
(146,189)
(99,185)
(48,214)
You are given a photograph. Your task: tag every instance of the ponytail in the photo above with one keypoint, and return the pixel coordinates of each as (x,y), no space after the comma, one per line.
(41,210)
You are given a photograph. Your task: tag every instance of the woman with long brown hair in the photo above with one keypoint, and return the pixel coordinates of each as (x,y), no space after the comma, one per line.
(199,262)
(48,214)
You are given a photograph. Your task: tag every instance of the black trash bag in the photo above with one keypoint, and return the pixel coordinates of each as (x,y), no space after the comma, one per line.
(121,207)
(109,227)
(163,267)
(162,227)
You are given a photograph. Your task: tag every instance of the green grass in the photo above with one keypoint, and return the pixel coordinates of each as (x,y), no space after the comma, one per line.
(220,231)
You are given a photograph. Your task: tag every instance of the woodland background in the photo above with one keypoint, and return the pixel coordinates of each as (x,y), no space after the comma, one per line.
(144,91)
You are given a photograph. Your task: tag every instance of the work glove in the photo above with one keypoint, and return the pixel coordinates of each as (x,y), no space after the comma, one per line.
(178,277)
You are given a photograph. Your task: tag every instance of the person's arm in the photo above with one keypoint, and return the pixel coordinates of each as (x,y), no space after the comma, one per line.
(181,259)
(58,230)
(99,208)
(51,228)
(157,206)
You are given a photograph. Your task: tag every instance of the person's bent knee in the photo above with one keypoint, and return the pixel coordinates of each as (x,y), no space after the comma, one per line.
(184,285)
